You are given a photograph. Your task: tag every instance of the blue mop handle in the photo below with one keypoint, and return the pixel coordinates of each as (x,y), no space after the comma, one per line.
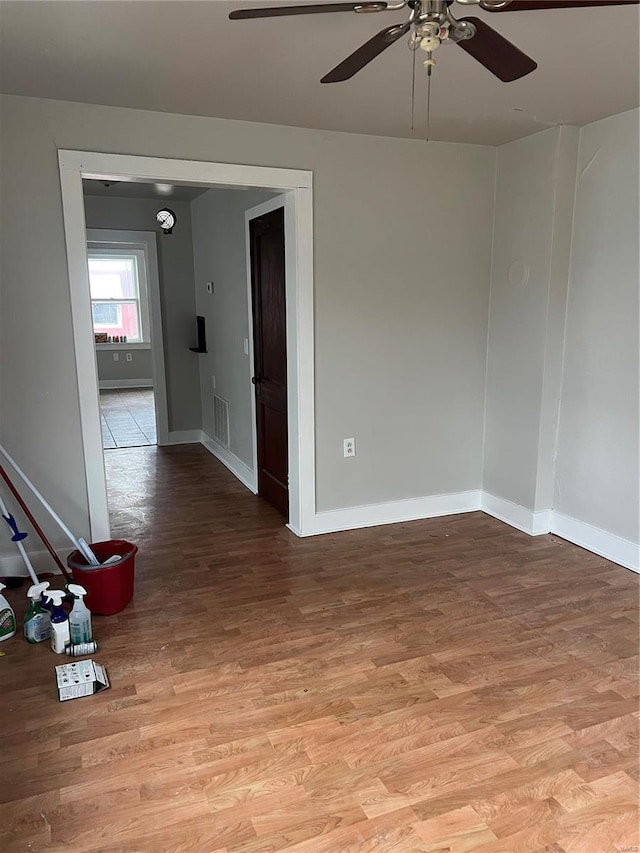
(13,524)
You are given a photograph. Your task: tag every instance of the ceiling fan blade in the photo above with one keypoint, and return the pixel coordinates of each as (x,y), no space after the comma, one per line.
(364,54)
(529,5)
(496,53)
(280,11)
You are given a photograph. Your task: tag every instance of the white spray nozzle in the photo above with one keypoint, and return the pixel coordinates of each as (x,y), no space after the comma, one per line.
(35,591)
(76,590)
(56,596)
(2,586)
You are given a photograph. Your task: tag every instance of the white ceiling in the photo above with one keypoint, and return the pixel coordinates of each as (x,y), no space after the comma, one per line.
(186,57)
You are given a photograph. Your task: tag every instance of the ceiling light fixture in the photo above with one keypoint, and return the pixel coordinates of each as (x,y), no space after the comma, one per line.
(164,189)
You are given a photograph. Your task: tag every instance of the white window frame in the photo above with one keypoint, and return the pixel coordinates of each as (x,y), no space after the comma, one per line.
(101,251)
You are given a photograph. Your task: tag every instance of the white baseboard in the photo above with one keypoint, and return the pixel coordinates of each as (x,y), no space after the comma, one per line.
(594,539)
(185,436)
(237,467)
(12,566)
(533,523)
(601,542)
(371,515)
(106,384)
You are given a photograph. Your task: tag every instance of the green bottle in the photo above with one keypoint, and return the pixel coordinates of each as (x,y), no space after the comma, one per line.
(37,620)
(7,617)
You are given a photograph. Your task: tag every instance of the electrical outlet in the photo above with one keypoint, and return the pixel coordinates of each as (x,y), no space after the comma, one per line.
(246,346)
(209,287)
(349,447)
(116,356)
(129,356)
(213,382)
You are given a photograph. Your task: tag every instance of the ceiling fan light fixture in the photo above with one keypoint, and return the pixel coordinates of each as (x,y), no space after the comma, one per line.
(429,43)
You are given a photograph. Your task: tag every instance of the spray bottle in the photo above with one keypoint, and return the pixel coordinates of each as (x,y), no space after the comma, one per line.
(80,616)
(59,621)
(7,617)
(37,620)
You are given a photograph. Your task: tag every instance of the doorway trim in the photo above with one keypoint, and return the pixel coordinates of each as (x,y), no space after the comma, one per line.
(145,240)
(297,185)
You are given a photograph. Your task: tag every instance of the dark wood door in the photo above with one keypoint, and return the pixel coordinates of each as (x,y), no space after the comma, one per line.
(270,356)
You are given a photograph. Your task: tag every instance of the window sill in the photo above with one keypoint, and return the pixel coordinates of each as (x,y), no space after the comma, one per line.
(122,346)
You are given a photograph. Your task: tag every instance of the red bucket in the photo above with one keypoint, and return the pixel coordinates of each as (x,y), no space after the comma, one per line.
(110,588)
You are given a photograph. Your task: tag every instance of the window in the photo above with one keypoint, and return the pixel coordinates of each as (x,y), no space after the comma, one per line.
(118,282)
(106,315)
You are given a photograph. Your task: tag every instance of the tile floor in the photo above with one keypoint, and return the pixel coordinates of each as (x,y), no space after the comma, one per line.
(128,418)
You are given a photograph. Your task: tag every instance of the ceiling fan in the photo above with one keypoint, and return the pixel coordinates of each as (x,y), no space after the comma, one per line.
(431,24)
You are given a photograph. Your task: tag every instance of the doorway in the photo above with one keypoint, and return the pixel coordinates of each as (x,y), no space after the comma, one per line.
(296,187)
(126,321)
(124,289)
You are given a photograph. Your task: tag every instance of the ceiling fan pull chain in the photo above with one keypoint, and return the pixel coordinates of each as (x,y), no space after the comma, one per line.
(429,68)
(413,92)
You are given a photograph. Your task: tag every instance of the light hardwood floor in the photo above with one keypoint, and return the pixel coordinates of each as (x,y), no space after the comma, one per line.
(444,685)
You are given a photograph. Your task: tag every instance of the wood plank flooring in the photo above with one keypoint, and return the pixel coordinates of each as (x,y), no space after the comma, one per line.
(444,685)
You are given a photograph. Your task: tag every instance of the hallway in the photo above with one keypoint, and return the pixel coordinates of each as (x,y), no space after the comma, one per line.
(443,684)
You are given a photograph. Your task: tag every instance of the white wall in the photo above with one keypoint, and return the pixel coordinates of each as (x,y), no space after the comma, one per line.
(562,428)
(219,255)
(597,458)
(177,295)
(139,369)
(401,313)
(531,250)
(402,243)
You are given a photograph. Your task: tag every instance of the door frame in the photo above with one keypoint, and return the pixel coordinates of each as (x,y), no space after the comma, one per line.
(145,240)
(298,187)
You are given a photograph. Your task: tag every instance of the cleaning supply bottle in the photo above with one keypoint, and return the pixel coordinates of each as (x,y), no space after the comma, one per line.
(45,604)
(59,621)
(37,620)
(80,616)
(7,617)
(45,601)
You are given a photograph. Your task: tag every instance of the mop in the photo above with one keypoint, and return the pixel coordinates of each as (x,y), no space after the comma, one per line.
(79,543)
(17,537)
(34,524)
